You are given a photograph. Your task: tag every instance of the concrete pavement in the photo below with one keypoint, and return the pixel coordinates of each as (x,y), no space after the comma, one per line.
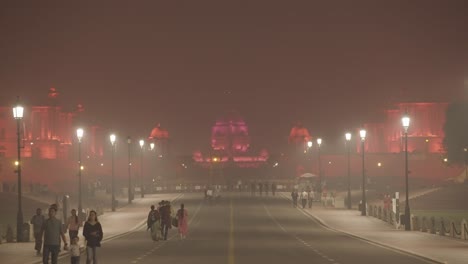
(123,221)
(438,248)
(243,229)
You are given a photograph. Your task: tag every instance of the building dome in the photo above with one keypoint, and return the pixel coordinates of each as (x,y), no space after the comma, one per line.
(159,133)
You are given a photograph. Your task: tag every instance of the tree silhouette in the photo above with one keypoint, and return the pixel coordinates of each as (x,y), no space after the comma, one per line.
(456,133)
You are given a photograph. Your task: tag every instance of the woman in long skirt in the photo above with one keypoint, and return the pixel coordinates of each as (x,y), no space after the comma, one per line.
(182,219)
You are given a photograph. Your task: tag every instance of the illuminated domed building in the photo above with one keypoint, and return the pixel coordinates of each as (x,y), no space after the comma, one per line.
(230,146)
(160,137)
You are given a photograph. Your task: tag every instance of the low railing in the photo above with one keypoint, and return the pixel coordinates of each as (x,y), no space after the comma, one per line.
(423,224)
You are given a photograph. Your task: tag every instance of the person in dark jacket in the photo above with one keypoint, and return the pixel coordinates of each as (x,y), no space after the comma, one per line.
(165,212)
(93,234)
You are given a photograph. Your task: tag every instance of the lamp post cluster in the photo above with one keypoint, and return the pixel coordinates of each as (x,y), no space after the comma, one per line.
(18,112)
(405,120)
(319,162)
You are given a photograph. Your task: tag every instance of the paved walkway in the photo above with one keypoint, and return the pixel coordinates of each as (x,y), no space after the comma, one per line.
(434,247)
(115,224)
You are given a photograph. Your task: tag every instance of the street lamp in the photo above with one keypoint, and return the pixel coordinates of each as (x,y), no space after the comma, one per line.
(363,133)
(129,144)
(466,164)
(112,140)
(18,111)
(405,121)
(348,147)
(319,143)
(142,143)
(79,135)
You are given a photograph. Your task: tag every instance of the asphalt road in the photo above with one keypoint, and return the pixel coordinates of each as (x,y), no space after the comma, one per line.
(244,229)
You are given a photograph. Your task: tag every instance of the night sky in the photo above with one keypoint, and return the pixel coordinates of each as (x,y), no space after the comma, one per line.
(183,64)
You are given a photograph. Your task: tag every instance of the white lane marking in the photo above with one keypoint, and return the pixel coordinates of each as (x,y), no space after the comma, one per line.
(351,235)
(170,238)
(299,239)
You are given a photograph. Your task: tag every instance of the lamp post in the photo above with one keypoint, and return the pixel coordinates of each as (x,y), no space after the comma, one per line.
(466,164)
(79,135)
(405,120)
(152,145)
(348,147)
(213,161)
(112,140)
(142,144)
(18,111)
(362,133)
(130,196)
(319,143)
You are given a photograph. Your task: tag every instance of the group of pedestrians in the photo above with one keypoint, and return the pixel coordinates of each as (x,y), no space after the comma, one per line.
(262,187)
(162,218)
(49,233)
(306,196)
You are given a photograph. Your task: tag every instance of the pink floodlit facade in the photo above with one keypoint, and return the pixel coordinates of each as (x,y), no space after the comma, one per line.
(230,143)
(425,133)
(48,150)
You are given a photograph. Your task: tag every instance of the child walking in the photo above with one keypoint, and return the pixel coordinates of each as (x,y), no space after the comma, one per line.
(75,251)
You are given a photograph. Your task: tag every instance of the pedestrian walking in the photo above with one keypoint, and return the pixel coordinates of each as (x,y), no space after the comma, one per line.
(311,198)
(304,198)
(154,223)
(252,188)
(273,188)
(260,189)
(166,223)
(37,221)
(294,197)
(73,224)
(266,188)
(92,231)
(52,231)
(182,216)
(75,250)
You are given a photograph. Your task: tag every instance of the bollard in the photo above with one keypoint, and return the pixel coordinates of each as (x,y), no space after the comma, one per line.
(9,234)
(453,231)
(442,227)
(415,223)
(424,224)
(464,230)
(432,226)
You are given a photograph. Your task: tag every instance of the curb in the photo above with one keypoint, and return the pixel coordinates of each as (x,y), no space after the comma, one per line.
(64,253)
(397,249)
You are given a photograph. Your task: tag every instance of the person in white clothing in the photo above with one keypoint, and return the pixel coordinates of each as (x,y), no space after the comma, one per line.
(304,198)
(311,198)
(75,251)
